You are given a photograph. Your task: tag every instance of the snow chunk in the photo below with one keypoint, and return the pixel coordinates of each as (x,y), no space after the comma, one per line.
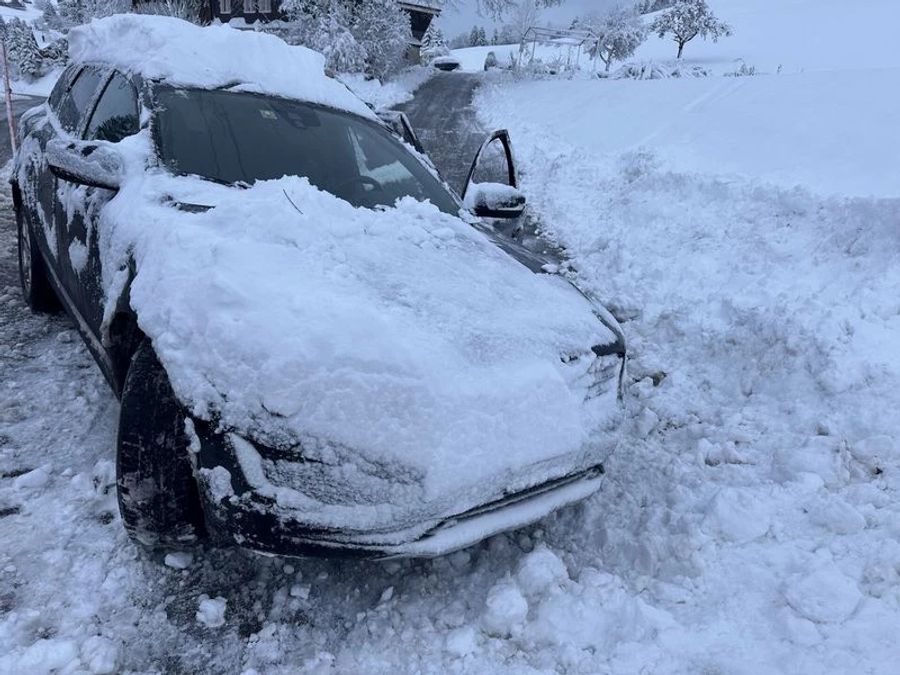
(182,53)
(33,479)
(541,570)
(600,614)
(875,452)
(211,611)
(179,560)
(42,656)
(217,481)
(739,514)
(100,654)
(820,455)
(461,641)
(825,596)
(506,609)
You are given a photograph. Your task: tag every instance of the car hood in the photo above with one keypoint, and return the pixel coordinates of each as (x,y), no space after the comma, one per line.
(403,334)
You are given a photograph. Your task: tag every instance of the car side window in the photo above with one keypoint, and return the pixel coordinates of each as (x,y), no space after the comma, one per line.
(61,88)
(116,114)
(75,101)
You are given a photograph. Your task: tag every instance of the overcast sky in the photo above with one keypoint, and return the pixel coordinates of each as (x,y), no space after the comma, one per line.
(456,20)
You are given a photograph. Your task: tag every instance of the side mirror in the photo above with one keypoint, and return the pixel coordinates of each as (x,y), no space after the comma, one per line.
(90,163)
(494,200)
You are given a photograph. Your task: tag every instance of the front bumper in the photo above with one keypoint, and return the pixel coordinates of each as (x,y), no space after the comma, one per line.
(236,513)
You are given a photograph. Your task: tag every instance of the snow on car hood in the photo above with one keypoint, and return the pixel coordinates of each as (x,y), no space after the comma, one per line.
(402,334)
(181,53)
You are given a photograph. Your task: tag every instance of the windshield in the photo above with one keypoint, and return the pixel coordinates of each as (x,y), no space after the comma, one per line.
(237,136)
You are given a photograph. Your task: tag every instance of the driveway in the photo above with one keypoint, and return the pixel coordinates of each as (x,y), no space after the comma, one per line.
(444,119)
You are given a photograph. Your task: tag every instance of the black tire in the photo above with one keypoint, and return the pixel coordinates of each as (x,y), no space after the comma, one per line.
(33,275)
(158,496)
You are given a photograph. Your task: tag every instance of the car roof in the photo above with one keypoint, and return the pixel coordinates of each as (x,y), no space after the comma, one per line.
(210,57)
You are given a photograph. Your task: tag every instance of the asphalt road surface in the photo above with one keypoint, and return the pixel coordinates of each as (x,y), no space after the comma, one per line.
(444,119)
(19,106)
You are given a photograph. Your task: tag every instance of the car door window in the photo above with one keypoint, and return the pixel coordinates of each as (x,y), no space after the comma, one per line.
(61,88)
(74,104)
(116,114)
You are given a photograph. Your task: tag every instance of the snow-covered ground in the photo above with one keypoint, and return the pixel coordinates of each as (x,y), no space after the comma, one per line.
(747,227)
(747,231)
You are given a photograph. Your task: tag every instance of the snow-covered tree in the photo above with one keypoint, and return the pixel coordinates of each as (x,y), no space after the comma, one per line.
(498,8)
(615,35)
(686,20)
(433,44)
(650,6)
(383,30)
(22,50)
(523,17)
(27,60)
(77,12)
(189,10)
(324,25)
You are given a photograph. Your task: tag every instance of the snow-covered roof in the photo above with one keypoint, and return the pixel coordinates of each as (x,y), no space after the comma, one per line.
(428,6)
(179,52)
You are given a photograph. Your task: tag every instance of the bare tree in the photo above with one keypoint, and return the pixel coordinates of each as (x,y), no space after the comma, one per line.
(686,20)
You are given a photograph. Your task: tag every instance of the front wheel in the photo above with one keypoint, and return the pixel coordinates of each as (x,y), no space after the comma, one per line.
(33,275)
(158,496)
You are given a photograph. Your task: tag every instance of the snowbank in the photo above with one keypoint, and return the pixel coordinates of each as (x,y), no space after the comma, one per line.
(399,89)
(747,226)
(160,47)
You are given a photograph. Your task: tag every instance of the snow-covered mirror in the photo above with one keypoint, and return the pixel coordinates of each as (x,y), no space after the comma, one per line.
(494,200)
(90,163)
(491,189)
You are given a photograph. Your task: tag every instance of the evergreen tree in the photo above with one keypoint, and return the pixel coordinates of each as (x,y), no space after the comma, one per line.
(473,37)
(23,52)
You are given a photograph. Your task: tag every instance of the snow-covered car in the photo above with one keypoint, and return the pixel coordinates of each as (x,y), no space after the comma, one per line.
(317,348)
(447,63)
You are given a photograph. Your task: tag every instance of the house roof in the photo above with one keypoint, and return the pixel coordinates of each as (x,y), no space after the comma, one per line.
(422,6)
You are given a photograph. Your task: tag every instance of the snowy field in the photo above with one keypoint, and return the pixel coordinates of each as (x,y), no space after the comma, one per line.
(746,231)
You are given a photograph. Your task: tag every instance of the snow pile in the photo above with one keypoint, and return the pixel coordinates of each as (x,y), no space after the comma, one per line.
(182,53)
(394,91)
(747,522)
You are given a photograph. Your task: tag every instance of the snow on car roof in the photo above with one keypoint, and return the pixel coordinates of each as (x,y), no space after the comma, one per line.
(158,47)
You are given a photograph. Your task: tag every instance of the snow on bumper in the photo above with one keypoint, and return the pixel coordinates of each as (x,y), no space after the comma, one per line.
(239,511)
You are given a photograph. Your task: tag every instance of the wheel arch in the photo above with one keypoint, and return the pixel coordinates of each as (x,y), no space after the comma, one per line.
(122,336)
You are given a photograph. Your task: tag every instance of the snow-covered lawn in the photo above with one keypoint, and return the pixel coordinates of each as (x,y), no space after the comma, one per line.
(748,229)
